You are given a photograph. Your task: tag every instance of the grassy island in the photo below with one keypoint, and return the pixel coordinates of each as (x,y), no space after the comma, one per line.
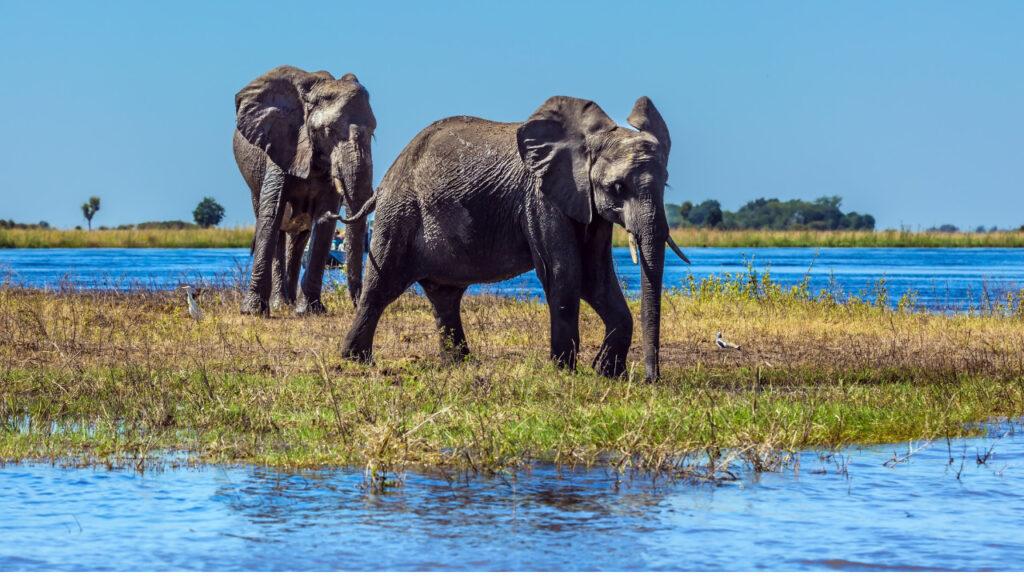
(94,377)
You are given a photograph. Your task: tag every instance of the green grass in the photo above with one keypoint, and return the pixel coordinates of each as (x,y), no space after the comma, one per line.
(101,377)
(194,238)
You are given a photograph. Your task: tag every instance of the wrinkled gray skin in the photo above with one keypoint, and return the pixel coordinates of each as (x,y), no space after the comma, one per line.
(302,143)
(471,201)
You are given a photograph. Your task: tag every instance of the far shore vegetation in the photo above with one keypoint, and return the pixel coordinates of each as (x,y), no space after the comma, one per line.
(759,223)
(186,235)
(114,378)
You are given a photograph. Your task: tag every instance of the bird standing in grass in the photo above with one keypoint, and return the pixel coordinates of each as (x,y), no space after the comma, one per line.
(725,344)
(193,308)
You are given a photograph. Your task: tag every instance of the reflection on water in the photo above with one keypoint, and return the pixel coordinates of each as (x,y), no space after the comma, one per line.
(943,278)
(924,513)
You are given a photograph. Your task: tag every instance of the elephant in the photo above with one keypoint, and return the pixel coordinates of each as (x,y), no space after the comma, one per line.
(302,144)
(472,201)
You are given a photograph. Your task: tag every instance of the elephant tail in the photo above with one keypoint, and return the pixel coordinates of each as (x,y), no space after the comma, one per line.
(368,207)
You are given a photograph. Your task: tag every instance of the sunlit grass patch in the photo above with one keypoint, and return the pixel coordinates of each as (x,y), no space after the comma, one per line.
(88,375)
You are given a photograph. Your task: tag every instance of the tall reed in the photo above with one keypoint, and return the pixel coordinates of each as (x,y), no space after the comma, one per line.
(240,237)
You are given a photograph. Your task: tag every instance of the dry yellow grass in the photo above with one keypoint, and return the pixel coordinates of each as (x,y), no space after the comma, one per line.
(240,237)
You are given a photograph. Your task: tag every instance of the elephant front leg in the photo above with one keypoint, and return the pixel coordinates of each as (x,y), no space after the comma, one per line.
(606,298)
(602,291)
(268,225)
(561,282)
(309,301)
(279,295)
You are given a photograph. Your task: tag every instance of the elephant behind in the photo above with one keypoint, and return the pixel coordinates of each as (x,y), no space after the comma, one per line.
(302,144)
(471,201)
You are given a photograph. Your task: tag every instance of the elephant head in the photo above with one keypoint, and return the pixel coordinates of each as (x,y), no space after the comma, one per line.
(588,166)
(311,123)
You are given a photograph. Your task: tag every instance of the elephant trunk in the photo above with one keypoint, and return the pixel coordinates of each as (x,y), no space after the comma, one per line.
(355,185)
(651,236)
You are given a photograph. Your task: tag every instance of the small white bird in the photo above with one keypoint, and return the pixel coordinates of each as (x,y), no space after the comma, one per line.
(725,344)
(193,308)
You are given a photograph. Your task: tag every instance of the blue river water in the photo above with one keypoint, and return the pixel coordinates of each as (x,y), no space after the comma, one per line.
(942,278)
(937,510)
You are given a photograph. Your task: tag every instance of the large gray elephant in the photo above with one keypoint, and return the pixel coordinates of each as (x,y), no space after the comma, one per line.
(302,143)
(471,201)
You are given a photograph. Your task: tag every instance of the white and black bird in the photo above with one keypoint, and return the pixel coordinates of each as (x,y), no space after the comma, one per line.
(725,344)
(193,308)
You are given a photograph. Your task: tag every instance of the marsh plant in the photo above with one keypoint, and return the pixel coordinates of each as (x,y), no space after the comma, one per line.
(98,376)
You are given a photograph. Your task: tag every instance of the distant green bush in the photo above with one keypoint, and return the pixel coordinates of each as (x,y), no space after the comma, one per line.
(770,214)
(166,225)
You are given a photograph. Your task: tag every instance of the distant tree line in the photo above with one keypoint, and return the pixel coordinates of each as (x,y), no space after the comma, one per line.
(770,214)
(11,224)
(161,225)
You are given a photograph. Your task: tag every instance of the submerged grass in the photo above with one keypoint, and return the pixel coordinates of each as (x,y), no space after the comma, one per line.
(240,237)
(715,238)
(94,376)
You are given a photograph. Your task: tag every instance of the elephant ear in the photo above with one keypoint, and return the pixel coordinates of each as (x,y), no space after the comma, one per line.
(271,115)
(553,146)
(646,118)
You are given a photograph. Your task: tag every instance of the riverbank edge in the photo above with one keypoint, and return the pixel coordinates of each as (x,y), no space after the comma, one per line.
(395,417)
(95,376)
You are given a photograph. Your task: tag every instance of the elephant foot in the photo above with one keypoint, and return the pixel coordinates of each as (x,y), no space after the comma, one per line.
(455,355)
(254,305)
(281,300)
(564,361)
(609,366)
(361,356)
(310,307)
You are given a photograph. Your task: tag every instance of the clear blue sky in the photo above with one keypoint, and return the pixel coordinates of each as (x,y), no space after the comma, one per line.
(911,111)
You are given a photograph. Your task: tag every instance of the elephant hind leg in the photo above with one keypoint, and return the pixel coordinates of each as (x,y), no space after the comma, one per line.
(293,263)
(446,301)
(384,284)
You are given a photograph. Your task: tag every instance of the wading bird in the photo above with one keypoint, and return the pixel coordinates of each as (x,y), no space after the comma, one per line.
(725,344)
(193,308)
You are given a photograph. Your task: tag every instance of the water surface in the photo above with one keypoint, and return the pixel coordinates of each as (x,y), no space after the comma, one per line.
(942,278)
(921,514)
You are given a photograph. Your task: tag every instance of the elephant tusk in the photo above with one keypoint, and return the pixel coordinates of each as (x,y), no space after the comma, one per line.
(672,245)
(632,248)
(328,217)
